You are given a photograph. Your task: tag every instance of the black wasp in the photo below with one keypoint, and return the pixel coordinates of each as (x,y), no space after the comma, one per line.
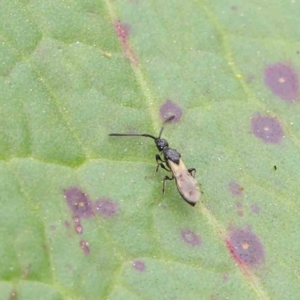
(185,178)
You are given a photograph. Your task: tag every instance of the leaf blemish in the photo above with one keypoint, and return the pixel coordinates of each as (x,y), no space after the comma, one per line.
(139,265)
(283,81)
(170,108)
(235,189)
(82,206)
(26,272)
(13,295)
(190,237)
(267,128)
(122,30)
(240,211)
(255,208)
(245,247)
(79,229)
(225,276)
(79,202)
(249,78)
(85,247)
(106,208)
(53,228)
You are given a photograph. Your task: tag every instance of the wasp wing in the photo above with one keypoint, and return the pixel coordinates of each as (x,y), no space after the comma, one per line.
(186,183)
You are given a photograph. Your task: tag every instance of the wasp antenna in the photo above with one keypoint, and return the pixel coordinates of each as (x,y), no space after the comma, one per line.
(149,135)
(132,134)
(160,133)
(169,119)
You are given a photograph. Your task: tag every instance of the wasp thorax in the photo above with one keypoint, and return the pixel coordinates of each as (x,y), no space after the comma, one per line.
(161,144)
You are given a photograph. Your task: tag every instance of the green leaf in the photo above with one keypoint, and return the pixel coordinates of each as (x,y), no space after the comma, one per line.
(83,216)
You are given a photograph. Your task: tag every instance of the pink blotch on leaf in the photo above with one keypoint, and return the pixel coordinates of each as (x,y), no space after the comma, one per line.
(245,247)
(168,109)
(106,208)
(283,81)
(79,202)
(67,224)
(122,30)
(235,189)
(267,128)
(139,265)
(190,237)
(85,247)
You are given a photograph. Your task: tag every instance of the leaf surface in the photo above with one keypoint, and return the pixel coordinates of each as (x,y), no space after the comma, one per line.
(83,216)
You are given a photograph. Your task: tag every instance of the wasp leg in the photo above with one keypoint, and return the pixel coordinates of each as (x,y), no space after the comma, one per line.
(164,183)
(158,159)
(191,170)
(162,166)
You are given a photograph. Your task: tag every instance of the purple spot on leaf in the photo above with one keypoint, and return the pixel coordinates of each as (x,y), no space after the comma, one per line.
(79,202)
(106,208)
(76,220)
(255,208)
(67,224)
(245,247)
(235,189)
(190,237)
(77,225)
(239,206)
(268,129)
(85,247)
(78,229)
(53,228)
(283,81)
(225,276)
(168,109)
(139,265)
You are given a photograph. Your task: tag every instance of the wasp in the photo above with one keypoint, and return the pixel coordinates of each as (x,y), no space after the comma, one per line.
(172,162)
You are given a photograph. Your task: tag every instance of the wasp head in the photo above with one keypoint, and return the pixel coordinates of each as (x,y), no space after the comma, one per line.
(161,144)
